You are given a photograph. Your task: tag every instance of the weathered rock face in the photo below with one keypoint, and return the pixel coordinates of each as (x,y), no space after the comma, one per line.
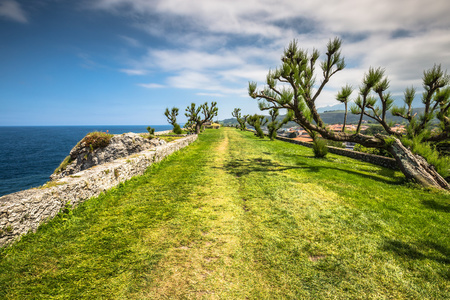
(24,211)
(83,157)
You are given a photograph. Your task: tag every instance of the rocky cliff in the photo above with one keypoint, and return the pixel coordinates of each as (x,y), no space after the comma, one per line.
(83,156)
(24,211)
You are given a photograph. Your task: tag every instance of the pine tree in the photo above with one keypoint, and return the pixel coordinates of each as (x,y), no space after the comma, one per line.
(299,93)
(172,119)
(195,119)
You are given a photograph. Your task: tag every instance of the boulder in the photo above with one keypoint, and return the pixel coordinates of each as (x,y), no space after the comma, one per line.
(83,157)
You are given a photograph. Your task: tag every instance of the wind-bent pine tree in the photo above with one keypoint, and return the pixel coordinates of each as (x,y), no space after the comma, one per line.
(172,119)
(274,124)
(344,96)
(257,121)
(196,120)
(299,93)
(240,119)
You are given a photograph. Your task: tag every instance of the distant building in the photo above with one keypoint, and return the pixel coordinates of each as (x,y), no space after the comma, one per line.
(211,125)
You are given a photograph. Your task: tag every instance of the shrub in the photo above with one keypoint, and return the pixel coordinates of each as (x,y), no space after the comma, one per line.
(431,154)
(96,139)
(320,147)
(151,132)
(177,129)
(375,151)
(335,144)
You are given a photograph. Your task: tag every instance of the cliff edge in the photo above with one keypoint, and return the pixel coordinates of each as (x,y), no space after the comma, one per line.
(96,150)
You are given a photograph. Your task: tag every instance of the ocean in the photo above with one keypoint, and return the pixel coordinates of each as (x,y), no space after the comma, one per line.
(30,154)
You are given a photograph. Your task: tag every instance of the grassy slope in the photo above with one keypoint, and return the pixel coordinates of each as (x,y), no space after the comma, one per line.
(236,217)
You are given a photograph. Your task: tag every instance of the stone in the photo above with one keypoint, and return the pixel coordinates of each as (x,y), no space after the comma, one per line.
(123,145)
(24,211)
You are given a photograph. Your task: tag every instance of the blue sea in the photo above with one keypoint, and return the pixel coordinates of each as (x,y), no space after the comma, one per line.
(30,154)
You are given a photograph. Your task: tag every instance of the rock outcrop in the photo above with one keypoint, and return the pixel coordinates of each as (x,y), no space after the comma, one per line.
(24,211)
(83,157)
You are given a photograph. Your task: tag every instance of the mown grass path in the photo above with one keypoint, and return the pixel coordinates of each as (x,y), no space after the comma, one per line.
(236,217)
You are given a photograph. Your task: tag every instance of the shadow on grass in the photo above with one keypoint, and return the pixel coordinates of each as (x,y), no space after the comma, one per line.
(242,167)
(412,251)
(392,180)
(391,177)
(436,206)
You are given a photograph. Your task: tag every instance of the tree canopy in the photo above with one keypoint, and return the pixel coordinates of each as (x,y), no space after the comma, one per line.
(293,86)
(195,118)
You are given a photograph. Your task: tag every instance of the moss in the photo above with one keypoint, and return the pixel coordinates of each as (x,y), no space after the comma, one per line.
(51,184)
(67,161)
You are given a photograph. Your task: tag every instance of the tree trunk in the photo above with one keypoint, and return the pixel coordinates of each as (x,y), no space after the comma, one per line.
(416,168)
(197,128)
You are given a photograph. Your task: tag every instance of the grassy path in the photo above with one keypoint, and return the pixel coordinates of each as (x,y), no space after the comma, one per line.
(236,217)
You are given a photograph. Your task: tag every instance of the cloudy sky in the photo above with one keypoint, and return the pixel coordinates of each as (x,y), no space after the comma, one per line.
(122,62)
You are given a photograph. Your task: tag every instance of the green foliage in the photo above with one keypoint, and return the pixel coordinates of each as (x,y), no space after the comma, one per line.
(241,120)
(431,154)
(274,124)
(375,151)
(335,144)
(151,132)
(67,161)
(254,220)
(344,94)
(177,129)
(171,116)
(195,120)
(320,148)
(96,139)
(375,129)
(257,121)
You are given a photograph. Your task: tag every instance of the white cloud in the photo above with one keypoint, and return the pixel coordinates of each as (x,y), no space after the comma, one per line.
(133,71)
(210,94)
(130,41)
(10,9)
(217,46)
(151,85)
(261,17)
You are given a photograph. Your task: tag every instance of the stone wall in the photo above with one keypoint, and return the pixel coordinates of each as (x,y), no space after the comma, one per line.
(371,158)
(24,211)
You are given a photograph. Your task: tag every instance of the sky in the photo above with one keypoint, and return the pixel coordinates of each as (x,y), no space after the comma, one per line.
(123,62)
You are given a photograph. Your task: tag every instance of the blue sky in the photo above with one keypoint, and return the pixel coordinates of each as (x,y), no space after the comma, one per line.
(122,62)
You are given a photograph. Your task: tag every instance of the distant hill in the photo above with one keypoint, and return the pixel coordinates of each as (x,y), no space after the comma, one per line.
(336,117)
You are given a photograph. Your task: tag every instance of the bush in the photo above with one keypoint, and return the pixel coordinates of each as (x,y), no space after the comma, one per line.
(375,151)
(97,139)
(320,148)
(335,144)
(431,154)
(177,129)
(151,132)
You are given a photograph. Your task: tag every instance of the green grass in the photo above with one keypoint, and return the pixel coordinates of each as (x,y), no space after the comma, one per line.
(236,217)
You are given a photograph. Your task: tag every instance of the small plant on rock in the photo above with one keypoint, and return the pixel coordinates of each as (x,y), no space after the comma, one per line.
(97,139)
(151,132)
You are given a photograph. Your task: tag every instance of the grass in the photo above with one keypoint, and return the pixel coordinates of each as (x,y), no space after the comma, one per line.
(68,160)
(236,217)
(167,137)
